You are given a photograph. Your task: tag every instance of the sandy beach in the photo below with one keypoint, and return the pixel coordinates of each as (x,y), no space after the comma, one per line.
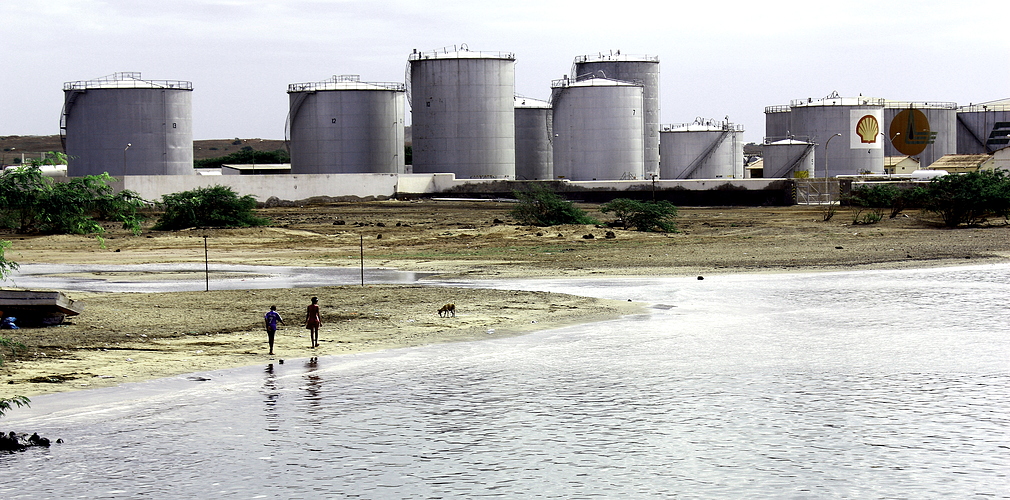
(131,337)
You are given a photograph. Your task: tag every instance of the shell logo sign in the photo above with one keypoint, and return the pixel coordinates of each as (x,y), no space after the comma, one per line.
(910,133)
(865,131)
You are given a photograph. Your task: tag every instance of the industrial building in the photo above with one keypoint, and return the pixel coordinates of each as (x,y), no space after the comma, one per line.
(640,69)
(125,125)
(344,125)
(925,130)
(703,149)
(788,158)
(534,144)
(463,112)
(598,129)
(983,128)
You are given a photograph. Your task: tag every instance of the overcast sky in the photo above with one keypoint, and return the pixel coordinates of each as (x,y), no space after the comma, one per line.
(717,58)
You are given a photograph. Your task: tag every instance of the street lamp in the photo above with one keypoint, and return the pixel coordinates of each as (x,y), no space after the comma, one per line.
(826,144)
(124,157)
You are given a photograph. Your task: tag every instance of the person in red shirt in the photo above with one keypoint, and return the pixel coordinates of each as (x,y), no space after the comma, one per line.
(313,321)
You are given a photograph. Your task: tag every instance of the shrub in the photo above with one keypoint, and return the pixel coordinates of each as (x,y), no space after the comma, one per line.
(33,203)
(539,206)
(216,206)
(643,215)
(245,157)
(969,198)
(7,404)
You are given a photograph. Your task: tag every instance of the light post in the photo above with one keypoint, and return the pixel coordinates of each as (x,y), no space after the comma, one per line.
(124,158)
(826,144)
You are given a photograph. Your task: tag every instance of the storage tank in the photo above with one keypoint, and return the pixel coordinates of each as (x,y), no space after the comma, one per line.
(534,147)
(642,69)
(598,129)
(849,133)
(983,128)
(925,130)
(788,158)
(777,122)
(125,125)
(462,109)
(704,149)
(344,126)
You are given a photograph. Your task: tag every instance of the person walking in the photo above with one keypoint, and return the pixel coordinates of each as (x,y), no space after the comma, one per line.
(270,320)
(313,321)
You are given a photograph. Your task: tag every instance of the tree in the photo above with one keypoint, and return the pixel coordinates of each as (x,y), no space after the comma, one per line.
(969,198)
(7,404)
(539,206)
(216,206)
(33,203)
(643,215)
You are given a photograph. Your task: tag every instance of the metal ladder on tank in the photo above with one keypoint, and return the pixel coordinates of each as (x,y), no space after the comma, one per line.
(67,105)
(702,158)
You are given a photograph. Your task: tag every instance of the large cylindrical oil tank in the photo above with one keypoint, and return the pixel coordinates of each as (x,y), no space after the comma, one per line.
(788,158)
(849,133)
(462,110)
(704,149)
(598,129)
(924,130)
(124,125)
(534,147)
(777,122)
(983,128)
(642,69)
(343,126)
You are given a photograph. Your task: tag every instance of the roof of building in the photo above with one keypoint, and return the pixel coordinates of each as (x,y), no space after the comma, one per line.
(891,161)
(954,162)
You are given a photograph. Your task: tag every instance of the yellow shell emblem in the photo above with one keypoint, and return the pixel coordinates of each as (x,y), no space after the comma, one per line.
(868,128)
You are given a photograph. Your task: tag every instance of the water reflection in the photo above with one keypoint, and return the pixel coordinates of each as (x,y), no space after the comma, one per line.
(313,386)
(271,398)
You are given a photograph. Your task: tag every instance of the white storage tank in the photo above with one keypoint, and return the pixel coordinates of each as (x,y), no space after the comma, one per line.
(704,149)
(849,133)
(925,130)
(642,69)
(463,116)
(343,126)
(788,158)
(125,125)
(534,147)
(983,128)
(598,129)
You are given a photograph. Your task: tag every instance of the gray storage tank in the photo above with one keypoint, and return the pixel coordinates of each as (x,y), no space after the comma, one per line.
(463,116)
(777,122)
(642,69)
(788,158)
(704,149)
(925,130)
(125,125)
(598,129)
(534,147)
(343,125)
(849,133)
(983,128)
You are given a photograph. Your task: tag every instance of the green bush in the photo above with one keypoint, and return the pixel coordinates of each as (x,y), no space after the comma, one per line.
(216,206)
(33,203)
(539,206)
(246,157)
(643,215)
(969,198)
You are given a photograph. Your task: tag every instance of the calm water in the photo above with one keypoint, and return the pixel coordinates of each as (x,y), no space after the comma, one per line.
(843,385)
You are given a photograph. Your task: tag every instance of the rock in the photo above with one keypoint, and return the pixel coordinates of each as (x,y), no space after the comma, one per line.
(610,235)
(588,236)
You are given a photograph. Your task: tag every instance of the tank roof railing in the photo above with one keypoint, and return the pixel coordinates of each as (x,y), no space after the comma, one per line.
(615,56)
(126,80)
(1000,105)
(458,51)
(920,104)
(798,138)
(835,100)
(782,108)
(345,82)
(565,81)
(724,125)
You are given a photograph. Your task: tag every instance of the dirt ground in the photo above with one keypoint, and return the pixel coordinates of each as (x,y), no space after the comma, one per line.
(130,337)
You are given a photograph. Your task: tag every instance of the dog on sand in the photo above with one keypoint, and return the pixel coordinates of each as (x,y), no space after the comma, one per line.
(446,310)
